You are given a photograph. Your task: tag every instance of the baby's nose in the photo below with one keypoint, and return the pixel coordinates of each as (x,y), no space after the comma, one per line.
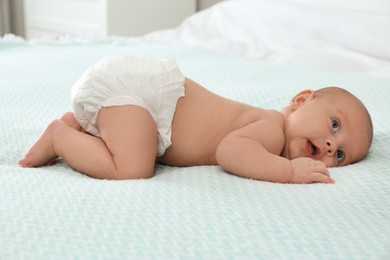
(330,146)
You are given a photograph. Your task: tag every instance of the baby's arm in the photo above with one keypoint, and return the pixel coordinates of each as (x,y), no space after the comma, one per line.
(253,152)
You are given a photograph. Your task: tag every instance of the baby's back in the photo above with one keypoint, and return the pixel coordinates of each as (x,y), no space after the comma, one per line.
(202,119)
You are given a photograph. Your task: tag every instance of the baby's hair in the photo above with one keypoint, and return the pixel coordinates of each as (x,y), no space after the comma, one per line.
(338,92)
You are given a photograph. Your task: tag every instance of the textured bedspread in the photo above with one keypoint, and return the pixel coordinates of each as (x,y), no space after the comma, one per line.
(182,213)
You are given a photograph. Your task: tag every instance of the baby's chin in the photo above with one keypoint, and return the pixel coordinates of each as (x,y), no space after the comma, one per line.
(290,153)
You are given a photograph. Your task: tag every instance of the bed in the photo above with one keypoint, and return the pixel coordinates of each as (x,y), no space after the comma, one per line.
(259,52)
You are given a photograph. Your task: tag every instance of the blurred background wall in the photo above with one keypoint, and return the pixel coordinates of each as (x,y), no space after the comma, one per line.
(12,18)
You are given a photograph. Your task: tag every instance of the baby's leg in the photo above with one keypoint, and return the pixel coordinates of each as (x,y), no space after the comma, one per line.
(127,149)
(71,121)
(130,134)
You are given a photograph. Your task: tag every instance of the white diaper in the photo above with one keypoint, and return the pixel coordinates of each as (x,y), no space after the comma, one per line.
(154,84)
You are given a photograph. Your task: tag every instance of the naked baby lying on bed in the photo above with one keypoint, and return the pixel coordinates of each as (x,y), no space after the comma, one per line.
(129,111)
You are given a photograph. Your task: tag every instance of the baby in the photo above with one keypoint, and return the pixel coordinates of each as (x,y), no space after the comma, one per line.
(130,113)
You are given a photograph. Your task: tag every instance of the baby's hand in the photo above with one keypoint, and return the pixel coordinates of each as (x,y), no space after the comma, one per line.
(307,170)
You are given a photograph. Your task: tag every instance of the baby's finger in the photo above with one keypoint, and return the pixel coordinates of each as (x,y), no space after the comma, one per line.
(320,177)
(321,168)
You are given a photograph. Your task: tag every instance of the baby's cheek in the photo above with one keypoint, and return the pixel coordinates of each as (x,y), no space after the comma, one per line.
(329,162)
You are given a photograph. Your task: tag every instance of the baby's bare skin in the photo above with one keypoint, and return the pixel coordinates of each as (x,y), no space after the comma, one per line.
(295,145)
(202,119)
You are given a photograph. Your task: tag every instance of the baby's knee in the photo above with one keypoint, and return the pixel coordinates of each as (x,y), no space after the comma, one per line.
(70,119)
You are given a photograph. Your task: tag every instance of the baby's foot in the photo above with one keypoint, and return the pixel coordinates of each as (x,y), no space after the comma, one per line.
(41,152)
(70,120)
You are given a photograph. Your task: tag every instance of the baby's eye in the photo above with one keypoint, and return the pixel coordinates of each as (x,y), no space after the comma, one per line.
(340,155)
(335,125)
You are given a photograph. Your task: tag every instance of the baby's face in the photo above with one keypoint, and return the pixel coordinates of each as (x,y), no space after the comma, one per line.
(332,131)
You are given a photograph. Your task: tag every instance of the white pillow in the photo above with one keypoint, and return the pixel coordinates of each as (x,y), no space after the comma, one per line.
(279,30)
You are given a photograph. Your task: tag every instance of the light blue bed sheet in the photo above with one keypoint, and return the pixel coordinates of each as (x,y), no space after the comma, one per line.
(182,213)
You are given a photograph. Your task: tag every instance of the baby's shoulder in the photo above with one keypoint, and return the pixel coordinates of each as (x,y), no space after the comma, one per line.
(264,116)
(269,131)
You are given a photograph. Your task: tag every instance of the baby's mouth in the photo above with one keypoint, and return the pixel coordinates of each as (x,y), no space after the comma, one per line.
(313,150)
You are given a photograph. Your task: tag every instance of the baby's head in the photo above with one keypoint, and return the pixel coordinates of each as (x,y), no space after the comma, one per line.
(329,124)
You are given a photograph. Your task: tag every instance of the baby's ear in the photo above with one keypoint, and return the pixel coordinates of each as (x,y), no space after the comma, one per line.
(301,98)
